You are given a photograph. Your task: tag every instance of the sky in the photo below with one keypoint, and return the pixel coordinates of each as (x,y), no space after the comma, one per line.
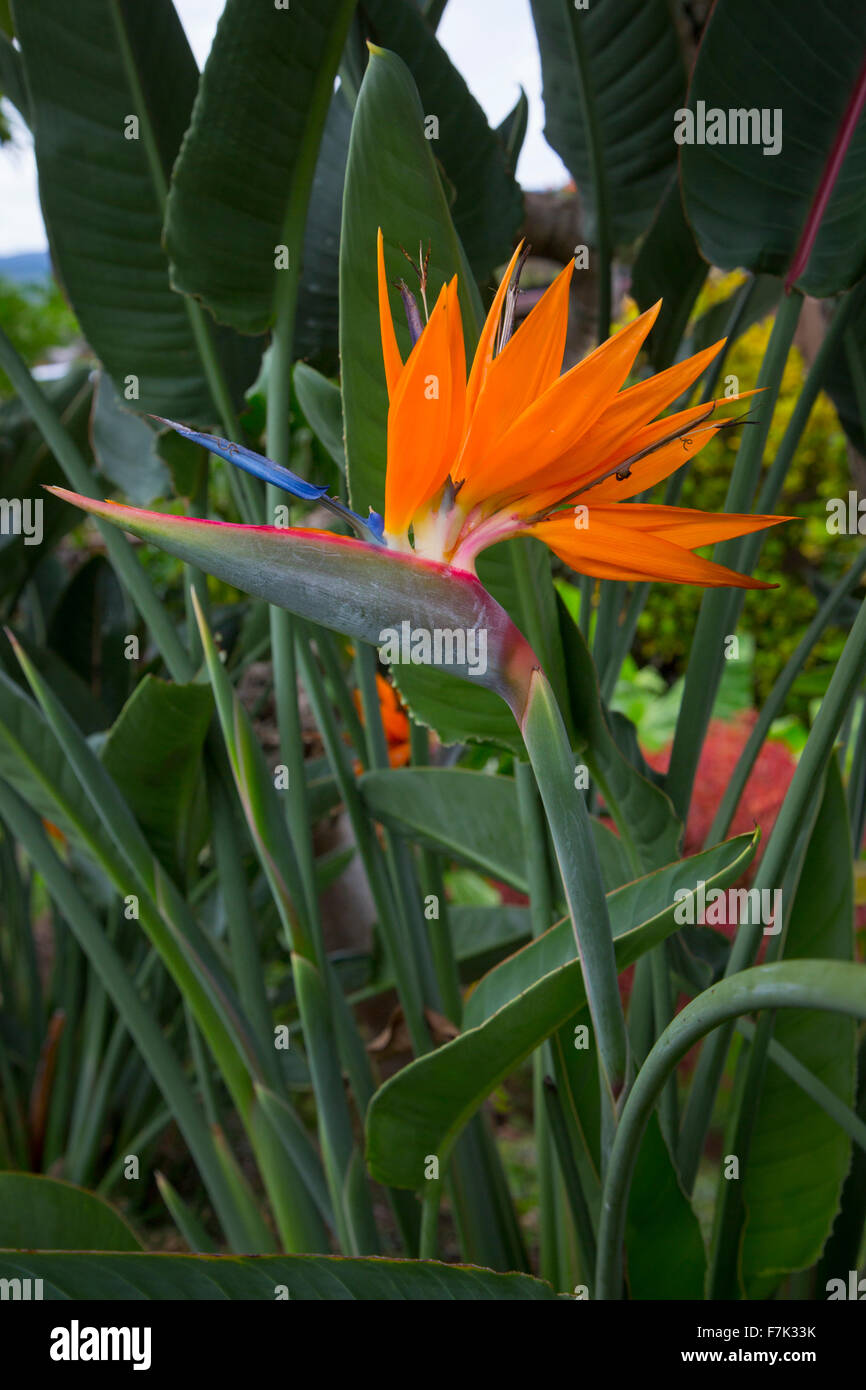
(491,42)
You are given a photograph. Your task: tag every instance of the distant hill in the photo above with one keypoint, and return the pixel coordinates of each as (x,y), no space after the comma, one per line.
(26,266)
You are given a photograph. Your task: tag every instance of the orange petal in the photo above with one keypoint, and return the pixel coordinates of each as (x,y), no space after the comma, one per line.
(390,350)
(635,408)
(685,526)
(554,423)
(649,471)
(487,341)
(457,352)
(608,551)
(419,423)
(528,364)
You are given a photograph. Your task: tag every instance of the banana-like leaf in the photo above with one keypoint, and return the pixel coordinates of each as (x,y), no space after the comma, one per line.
(112,85)
(365,591)
(422,1109)
(783,190)
(242,183)
(613,76)
(106,1277)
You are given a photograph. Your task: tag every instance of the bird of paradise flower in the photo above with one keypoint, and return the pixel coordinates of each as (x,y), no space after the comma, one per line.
(513,448)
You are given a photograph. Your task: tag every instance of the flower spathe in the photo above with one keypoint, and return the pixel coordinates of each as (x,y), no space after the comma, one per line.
(512,447)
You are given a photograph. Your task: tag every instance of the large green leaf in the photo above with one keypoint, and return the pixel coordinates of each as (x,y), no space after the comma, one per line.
(613,76)
(153,752)
(391,182)
(39,1213)
(102,186)
(748,207)
(798,1156)
(105,1278)
(317,321)
(487,204)
(241,186)
(422,1109)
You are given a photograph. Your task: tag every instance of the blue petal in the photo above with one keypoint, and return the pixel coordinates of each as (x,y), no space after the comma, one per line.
(251,462)
(376,524)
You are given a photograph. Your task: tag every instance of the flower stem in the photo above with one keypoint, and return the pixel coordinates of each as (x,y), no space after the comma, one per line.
(552,761)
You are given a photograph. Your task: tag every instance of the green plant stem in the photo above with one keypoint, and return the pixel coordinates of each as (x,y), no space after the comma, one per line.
(567,817)
(573,1186)
(811,1085)
(804,787)
(534,834)
(775,701)
(429,1249)
(831,986)
(396,944)
(433,885)
(707,653)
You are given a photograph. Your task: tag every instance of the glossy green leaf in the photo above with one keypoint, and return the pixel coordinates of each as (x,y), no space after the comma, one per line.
(749,199)
(317,320)
(613,76)
(798,1157)
(391,182)
(40,1213)
(270,1277)
(422,1109)
(153,752)
(264,95)
(89,73)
